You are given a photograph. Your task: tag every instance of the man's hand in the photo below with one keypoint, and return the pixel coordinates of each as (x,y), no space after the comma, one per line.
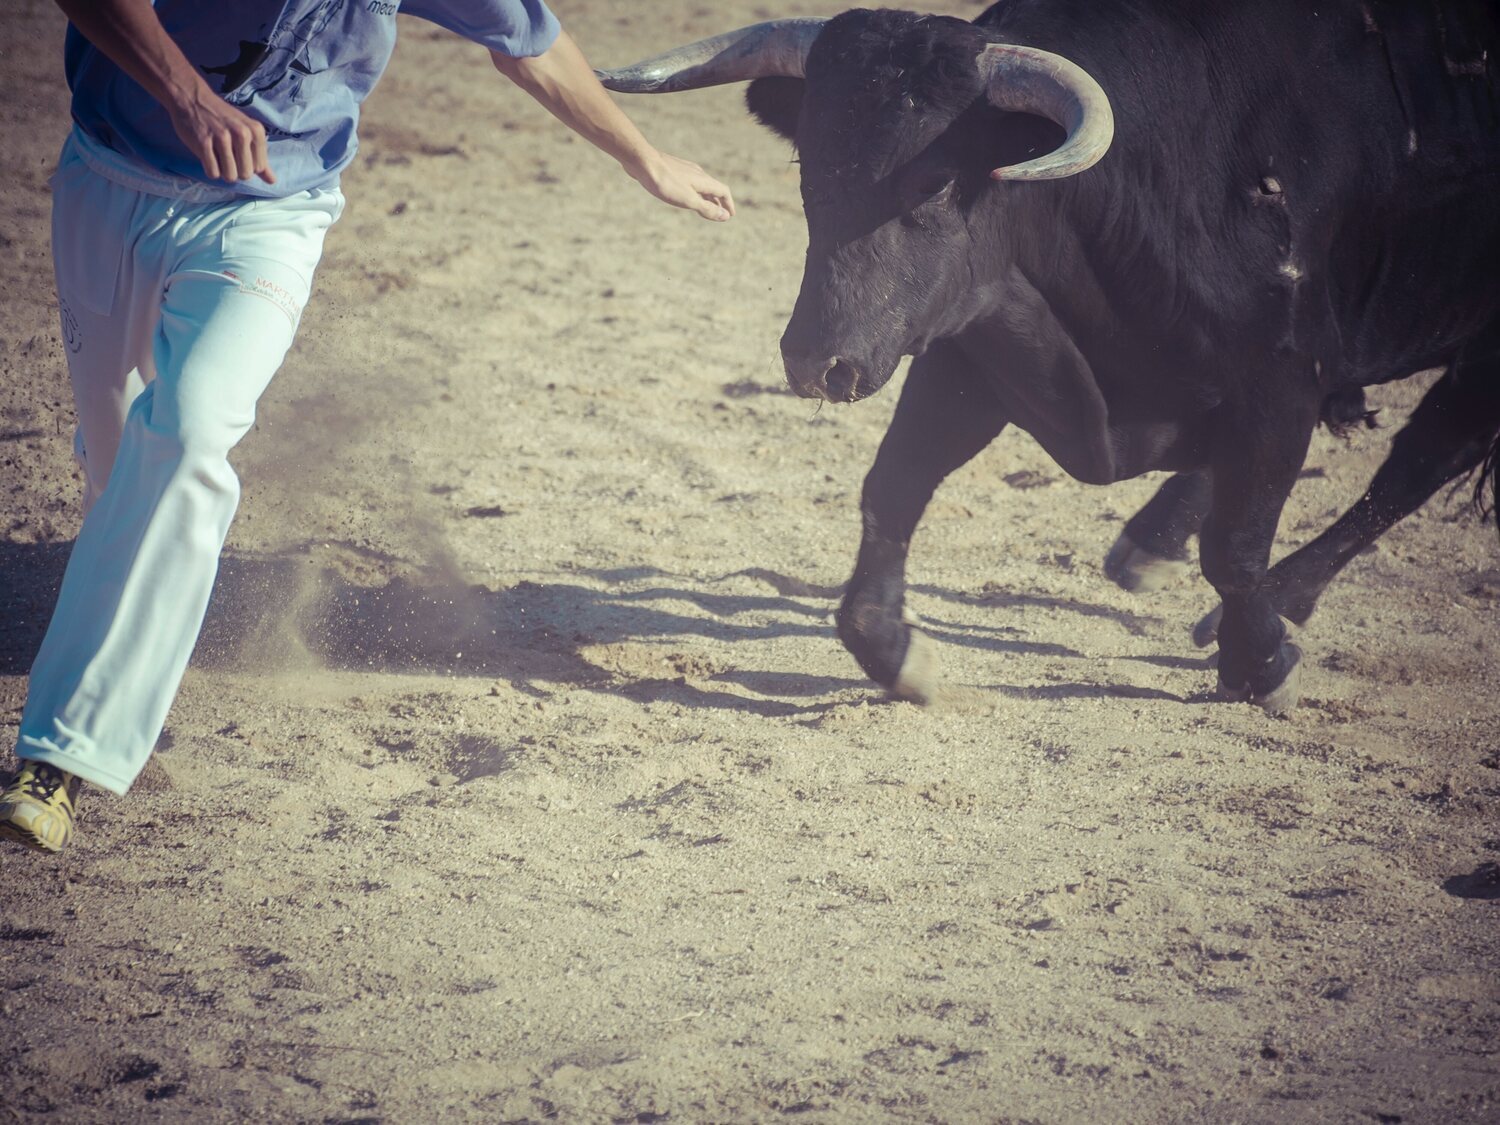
(231,145)
(563,82)
(683,184)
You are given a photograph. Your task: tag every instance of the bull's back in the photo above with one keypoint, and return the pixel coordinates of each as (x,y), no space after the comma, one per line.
(1325,175)
(1415,254)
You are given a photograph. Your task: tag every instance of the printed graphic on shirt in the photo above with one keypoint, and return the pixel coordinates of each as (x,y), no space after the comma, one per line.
(251,55)
(298,46)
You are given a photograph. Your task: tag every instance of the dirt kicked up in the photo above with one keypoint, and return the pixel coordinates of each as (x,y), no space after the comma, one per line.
(520,775)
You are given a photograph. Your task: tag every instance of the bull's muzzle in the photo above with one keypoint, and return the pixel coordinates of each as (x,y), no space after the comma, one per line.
(830,378)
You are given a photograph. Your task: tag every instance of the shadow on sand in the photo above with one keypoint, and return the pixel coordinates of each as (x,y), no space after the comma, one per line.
(284,610)
(615,634)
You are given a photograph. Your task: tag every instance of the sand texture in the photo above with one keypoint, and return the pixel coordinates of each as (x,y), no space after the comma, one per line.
(520,775)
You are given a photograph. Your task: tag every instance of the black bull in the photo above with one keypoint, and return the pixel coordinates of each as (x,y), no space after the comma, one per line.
(1296,201)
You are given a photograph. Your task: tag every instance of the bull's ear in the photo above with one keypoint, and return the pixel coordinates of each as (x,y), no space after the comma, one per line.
(776,104)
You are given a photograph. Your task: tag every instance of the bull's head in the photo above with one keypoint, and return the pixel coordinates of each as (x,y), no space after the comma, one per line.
(903,124)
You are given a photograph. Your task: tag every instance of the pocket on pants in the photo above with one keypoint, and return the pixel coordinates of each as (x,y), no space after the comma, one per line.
(91,220)
(288,231)
(271,249)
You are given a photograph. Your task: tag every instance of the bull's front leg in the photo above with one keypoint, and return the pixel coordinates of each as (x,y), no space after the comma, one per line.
(946,415)
(1258,456)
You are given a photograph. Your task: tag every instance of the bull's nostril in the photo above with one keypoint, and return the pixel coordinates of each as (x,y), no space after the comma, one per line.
(840,381)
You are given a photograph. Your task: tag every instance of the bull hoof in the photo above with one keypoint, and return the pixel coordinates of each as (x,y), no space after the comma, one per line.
(1274,699)
(1231,694)
(1285,696)
(1132,567)
(917,681)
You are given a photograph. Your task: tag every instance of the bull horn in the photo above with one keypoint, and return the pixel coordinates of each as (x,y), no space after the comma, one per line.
(1026,80)
(776,48)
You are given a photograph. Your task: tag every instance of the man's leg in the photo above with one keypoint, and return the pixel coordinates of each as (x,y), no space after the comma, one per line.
(109,305)
(139,579)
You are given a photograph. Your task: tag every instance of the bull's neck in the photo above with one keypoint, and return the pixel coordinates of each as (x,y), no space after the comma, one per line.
(1059,234)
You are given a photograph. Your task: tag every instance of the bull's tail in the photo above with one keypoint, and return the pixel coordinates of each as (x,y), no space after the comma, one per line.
(1489,479)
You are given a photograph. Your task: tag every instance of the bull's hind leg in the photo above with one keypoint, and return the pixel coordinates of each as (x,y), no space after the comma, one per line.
(1447,435)
(1152,548)
(946,415)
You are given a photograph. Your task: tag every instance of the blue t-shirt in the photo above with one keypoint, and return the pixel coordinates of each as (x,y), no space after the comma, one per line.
(299,67)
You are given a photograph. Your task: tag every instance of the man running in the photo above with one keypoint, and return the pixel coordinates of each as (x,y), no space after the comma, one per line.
(189,208)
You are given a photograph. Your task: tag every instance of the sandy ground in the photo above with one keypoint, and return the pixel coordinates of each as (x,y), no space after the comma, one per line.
(520,774)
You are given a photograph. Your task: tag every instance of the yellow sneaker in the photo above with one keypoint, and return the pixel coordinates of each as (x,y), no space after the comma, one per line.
(36,808)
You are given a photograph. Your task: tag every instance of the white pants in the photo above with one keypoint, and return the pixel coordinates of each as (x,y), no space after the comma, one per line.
(175,316)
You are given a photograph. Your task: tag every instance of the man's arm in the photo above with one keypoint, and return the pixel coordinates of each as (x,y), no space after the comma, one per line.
(231,145)
(564,83)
